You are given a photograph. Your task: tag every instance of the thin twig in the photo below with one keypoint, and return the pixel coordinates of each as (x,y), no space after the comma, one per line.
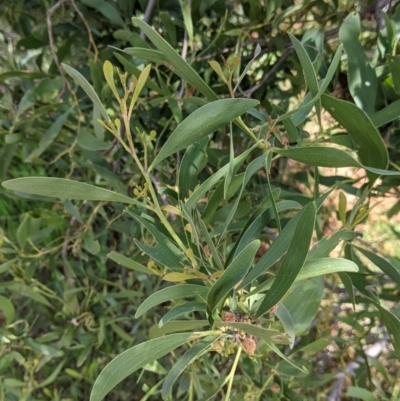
(147,15)
(269,74)
(91,41)
(49,14)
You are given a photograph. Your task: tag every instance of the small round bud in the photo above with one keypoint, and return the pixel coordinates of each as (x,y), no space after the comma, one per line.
(228,317)
(249,345)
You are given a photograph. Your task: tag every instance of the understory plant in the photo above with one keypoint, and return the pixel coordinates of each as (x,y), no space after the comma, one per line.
(242,273)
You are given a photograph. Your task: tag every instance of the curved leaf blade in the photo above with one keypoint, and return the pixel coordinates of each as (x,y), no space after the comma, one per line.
(181,310)
(233,274)
(201,123)
(84,84)
(181,67)
(170,293)
(294,260)
(133,359)
(189,357)
(65,189)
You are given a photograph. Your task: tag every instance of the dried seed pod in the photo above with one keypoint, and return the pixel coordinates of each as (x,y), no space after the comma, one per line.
(249,345)
(228,317)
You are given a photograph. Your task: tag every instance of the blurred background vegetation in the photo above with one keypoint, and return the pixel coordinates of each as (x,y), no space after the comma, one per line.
(71,306)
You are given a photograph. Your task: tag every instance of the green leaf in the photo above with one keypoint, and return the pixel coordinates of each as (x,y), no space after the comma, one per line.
(257,331)
(49,136)
(309,73)
(146,54)
(279,247)
(303,302)
(361,76)
(283,314)
(107,9)
(46,350)
(383,264)
(180,66)
(322,88)
(315,268)
(328,157)
(92,143)
(176,326)
(181,310)
(192,163)
(65,189)
(386,115)
(324,247)
(294,260)
(394,66)
(252,168)
(367,140)
(189,357)
(233,274)
(133,359)
(201,123)
(129,263)
(139,86)
(211,181)
(170,293)
(360,393)
(84,84)
(108,71)
(187,20)
(7,307)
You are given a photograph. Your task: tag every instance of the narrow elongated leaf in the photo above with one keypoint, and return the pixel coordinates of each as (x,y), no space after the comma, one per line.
(383,264)
(201,123)
(368,141)
(7,307)
(252,168)
(181,310)
(361,76)
(257,331)
(133,359)
(170,293)
(128,263)
(176,326)
(326,245)
(233,274)
(328,157)
(309,73)
(84,84)
(146,54)
(65,189)
(386,115)
(279,246)
(189,357)
(322,88)
(181,67)
(315,268)
(360,393)
(284,316)
(294,260)
(211,181)
(49,136)
(192,163)
(108,71)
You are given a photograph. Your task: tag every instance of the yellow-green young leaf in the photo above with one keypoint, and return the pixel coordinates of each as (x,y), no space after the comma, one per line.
(7,307)
(217,68)
(394,66)
(176,277)
(84,84)
(342,207)
(201,123)
(133,359)
(139,86)
(108,70)
(65,189)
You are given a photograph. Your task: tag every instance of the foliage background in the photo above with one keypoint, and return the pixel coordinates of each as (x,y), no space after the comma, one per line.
(74,306)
